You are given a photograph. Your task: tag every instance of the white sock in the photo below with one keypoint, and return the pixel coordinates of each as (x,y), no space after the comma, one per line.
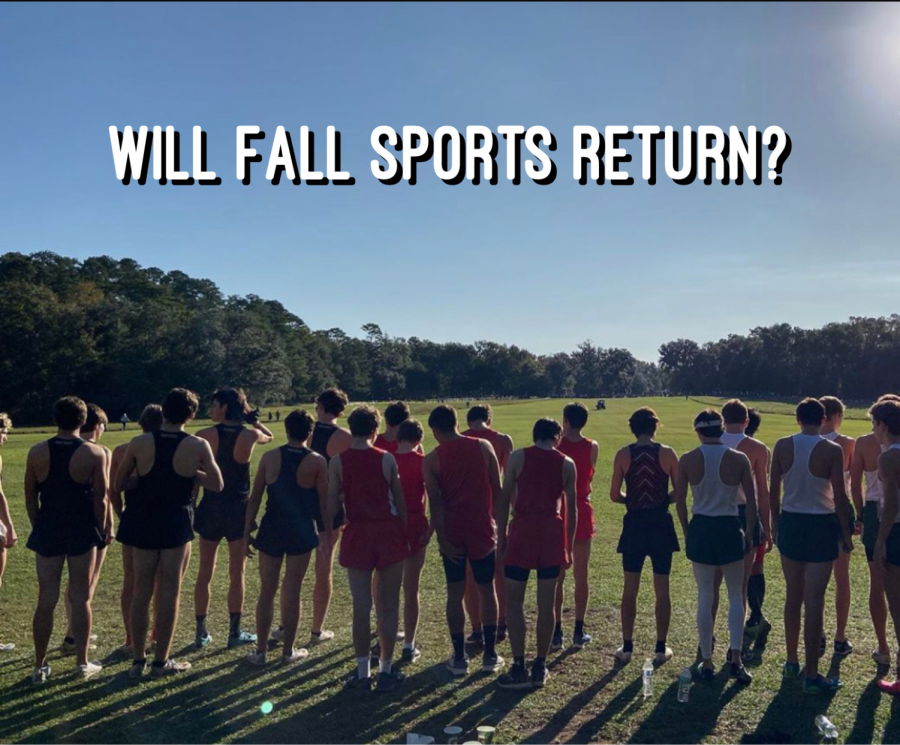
(409,645)
(363,667)
(384,666)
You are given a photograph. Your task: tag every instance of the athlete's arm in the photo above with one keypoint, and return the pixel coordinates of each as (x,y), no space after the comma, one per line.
(615,487)
(322,491)
(681,488)
(749,485)
(263,434)
(595,453)
(571,506)
(888,472)
(5,518)
(340,441)
(126,465)
(335,490)
(487,450)
(208,473)
(857,472)
(392,474)
(760,466)
(31,487)
(436,504)
(775,488)
(115,498)
(668,461)
(501,509)
(253,503)
(100,487)
(841,501)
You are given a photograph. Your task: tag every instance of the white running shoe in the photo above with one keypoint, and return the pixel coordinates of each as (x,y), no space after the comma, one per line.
(663,657)
(89,669)
(277,634)
(69,648)
(622,656)
(40,674)
(7,647)
(321,637)
(256,658)
(171,667)
(881,659)
(296,655)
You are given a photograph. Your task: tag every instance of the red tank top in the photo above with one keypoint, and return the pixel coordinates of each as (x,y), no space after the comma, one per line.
(580,453)
(386,445)
(367,496)
(540,485)
(493,437)
(465,480)
(412,481)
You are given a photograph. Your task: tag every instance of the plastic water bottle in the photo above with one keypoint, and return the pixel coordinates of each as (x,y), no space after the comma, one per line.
(647,675)
(826,728)
(684,685)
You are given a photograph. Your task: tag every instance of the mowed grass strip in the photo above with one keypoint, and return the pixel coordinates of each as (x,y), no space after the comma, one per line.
(588,698)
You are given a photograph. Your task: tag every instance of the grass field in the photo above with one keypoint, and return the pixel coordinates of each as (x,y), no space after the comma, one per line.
(588,699)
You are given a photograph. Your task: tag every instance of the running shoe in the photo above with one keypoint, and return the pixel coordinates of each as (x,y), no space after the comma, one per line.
(256,658)
(241,638)
(320,638)
(882,659)
(354,682)
(622,656)
(169,667)
(457,665)
(137,669)
(401,636)
(557,642)
(740,672)
(70,648)
(790,670)
(492,663)
(389,681)
(705,673)
(296,655)
(663,657)
(475,639)
(502,633)
(892,688)
(410,654)
(89,669)
(7,647)
(516,679)
(842,648)
(581,639)
(821,684)
(40,674)
(539,676)
(202,640)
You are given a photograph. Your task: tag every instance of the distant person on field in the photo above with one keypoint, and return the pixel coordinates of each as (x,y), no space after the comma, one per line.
(222,512)
(479,420)
(647,469)
(865,468)
(296,479)
(65,495)
(8,537)
(462,477)
(584,454)
(363,481)
(538,539)
(716,540)
(811,525)
(124,421)
(886,427)
(277,415)
(270,416)
(129,514)
(831,430)
(167,463)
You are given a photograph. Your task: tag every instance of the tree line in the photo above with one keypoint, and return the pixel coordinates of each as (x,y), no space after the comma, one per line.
(121,335)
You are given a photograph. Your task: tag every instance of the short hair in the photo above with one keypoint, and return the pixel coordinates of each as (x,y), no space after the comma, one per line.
(151,418)
(735,411)
(69,413)
(180,405)
(888,397)
(887,413)
(811,411)
(298,424)
(709,423)
(333,401)
(95,417)
(754,419)
(480,413)
(364,421)
(833,406)
(443,418)
(575,414)
(643,422)
(396,413)
(546,429)
(235,402)
(410,431)
(5,421)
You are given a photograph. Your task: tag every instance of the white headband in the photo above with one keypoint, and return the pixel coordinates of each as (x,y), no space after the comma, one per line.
(708,423)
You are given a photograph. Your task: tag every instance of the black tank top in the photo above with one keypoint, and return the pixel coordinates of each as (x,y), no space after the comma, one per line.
(235,475)
(162,487)
(647,484)
(289,502)
(322,433)
(60,496)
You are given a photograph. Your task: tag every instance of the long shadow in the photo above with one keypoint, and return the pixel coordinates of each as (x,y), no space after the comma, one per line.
(589,729)
(864,725)
(790,716)
(892,728)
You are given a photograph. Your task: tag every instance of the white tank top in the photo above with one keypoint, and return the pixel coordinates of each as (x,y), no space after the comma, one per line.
(895,446)
(873,483)
(832,437)
(712,496)
(732,440)
(803,492)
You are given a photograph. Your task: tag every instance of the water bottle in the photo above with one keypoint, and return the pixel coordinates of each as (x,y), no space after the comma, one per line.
(826,728)
(684,685)
(647,674)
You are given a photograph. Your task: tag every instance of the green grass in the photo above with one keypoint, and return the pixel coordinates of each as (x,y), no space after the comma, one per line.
(588,699)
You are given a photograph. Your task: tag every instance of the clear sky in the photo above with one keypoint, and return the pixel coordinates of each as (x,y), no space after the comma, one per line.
(543,267)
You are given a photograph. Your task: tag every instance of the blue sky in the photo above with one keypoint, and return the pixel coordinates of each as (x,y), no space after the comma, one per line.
(540,266)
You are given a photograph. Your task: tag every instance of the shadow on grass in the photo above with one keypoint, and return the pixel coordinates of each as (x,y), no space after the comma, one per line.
(864,727)
(892,728)
(589,729)
(790,716)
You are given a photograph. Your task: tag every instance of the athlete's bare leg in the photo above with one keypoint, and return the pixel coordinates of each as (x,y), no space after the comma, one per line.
(878,605)
(323,587)
(794,592)
(269,575)
(472,603)
(168,574)
(208,553)
(815,584)
(629,603)
(515,616)
(127,589)
(361,592)
(49,574)
(81,569)
(412,572)
(237,566)
(546,616)
(663,605)
(388,620)
(841,595)
(295,571)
